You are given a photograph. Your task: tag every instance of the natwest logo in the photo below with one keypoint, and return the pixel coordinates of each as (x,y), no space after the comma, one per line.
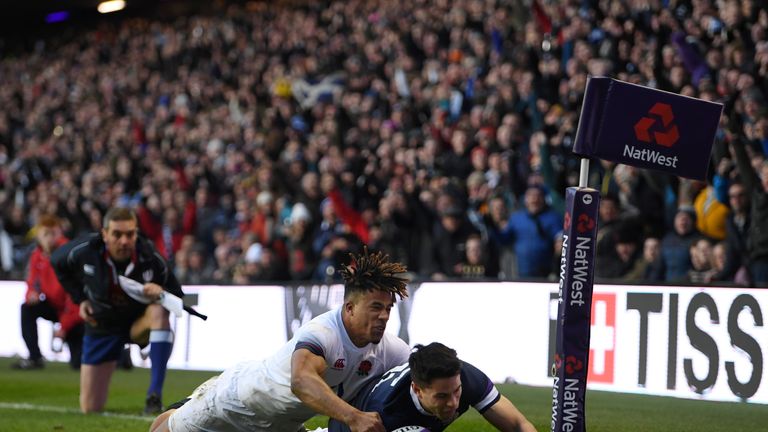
(585,223)
(573,365)
(666,137)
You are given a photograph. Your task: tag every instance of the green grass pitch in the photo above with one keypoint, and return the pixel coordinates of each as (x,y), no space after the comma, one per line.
(46,401)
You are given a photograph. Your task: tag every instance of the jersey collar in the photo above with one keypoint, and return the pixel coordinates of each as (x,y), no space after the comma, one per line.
(417,403)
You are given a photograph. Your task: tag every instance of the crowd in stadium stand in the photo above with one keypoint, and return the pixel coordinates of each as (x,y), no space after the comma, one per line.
(263,144)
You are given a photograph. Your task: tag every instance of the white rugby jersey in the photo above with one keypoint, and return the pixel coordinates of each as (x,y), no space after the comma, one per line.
(264,386)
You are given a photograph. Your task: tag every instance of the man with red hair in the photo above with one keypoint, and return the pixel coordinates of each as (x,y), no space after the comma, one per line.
(47,299)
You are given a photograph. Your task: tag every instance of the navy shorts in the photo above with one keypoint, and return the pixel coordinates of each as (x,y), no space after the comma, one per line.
(99,349)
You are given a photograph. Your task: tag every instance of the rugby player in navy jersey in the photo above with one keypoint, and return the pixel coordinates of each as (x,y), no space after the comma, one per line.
(432,390)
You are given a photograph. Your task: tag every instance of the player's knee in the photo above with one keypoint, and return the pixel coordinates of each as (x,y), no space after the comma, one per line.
(91,403)
(159,316)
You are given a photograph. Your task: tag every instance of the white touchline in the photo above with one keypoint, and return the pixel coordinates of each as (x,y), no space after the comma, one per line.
(48,408)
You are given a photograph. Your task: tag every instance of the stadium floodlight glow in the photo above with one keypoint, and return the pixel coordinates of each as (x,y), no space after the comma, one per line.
(111,6)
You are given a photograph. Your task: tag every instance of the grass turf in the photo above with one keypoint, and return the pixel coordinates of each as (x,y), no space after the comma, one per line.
(47,400)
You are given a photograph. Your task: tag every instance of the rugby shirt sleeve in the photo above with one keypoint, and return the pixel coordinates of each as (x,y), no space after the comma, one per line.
(313,338)
(483,394)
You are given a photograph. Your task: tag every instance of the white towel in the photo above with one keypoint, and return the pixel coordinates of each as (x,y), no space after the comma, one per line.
(136,291)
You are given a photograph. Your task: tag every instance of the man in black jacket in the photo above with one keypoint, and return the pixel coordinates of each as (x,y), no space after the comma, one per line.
(737,233)
(756,187)
(92,269)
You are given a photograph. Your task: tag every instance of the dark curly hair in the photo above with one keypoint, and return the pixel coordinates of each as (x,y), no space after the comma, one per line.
(373,271)
(431,362)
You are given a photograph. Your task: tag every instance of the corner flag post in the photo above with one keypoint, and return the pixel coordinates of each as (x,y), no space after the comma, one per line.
(577,263)
(632,125)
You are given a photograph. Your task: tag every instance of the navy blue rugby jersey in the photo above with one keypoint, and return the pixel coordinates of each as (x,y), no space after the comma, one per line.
(392,398)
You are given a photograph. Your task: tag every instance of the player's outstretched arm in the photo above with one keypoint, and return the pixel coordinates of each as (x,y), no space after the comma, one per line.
(507,418)
(307,384)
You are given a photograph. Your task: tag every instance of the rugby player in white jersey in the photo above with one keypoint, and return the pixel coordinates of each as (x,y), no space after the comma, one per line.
(321,368)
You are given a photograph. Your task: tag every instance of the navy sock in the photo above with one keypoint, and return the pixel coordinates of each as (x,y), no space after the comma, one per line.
(160,346)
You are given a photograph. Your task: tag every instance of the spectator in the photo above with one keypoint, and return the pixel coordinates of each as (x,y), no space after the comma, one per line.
(675,246)
(609,218)
(475,264)
(45,298)
(450,236)
(6,253)
(399,228)
(17,228)
(495,221)
(331,243)
(737,228)
(197,269)
(719,257)
(624,262)
(310,195)
(711,214)
(265,223)
(533,231)
(301,255)
(352,220)
(271,267)
(756,187)
(652,260)
(456,162)
(641,194)
(702,262)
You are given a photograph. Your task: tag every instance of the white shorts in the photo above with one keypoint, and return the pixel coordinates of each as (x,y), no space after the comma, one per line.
(216,407)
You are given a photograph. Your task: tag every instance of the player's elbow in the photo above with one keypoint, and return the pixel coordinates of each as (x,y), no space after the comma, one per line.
(528,427)
(298,384)
(523,425)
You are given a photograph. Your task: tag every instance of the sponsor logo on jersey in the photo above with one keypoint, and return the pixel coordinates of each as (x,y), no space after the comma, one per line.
(364,368)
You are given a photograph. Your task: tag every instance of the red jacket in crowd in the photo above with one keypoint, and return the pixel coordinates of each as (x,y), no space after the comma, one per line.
(349,216)
(152,227)
(41,279)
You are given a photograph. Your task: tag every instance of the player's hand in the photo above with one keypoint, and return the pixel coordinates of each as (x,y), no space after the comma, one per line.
(367,422)
(86,312)
(152,290)
(724,167)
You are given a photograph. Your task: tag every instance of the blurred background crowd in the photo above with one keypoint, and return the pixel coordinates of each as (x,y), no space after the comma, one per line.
(264,141)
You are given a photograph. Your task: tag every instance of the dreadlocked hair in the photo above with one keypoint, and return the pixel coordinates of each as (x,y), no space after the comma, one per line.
(374,271)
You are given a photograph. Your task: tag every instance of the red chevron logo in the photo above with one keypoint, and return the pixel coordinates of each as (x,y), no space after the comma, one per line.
(572,364)
(667,137)
(584,224)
